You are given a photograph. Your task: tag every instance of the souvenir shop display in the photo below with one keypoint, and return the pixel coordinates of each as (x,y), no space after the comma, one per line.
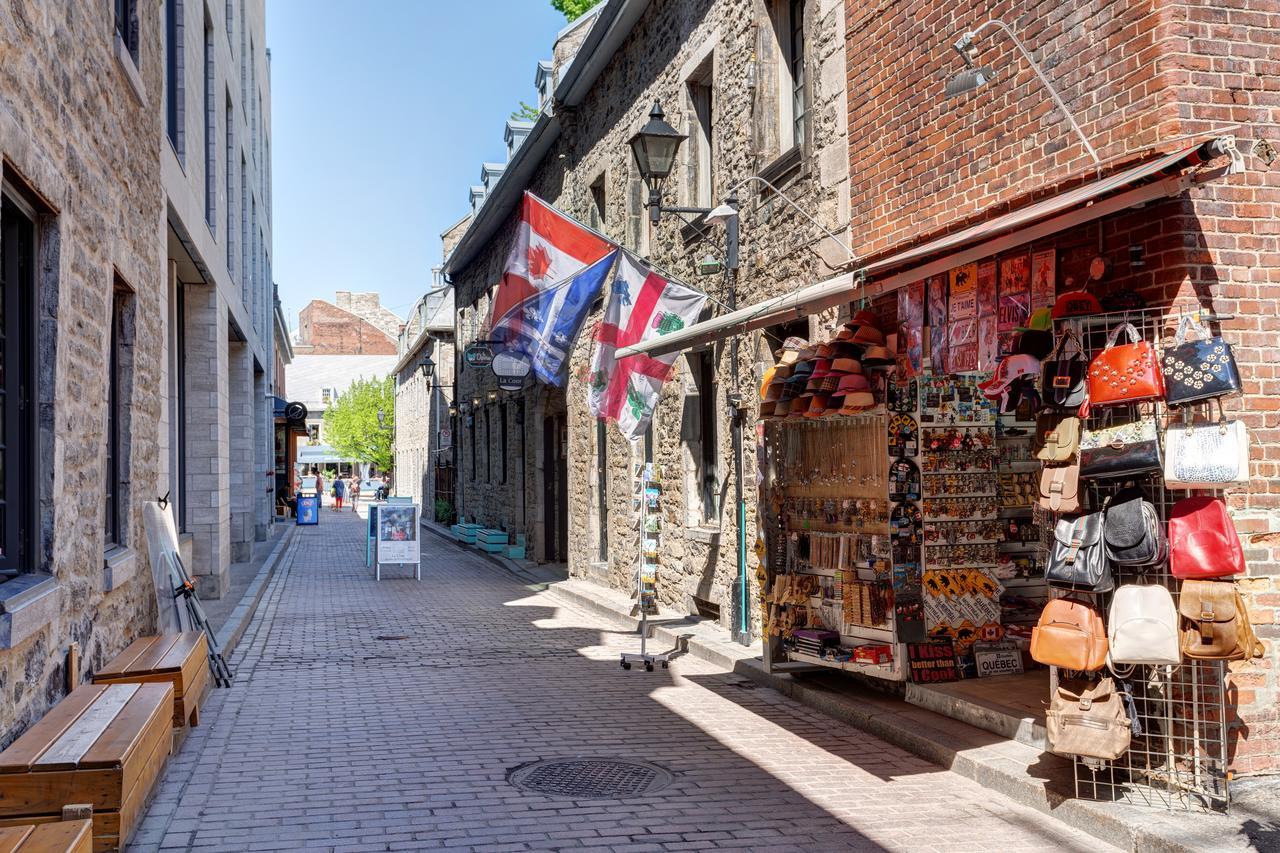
(1142,627)
(1206,455)
(1124,373)
(647,503)
(1200,369)
(1088,719)
(1121,450)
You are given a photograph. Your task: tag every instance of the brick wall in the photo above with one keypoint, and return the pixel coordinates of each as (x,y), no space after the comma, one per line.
(326,329)
(1133,74)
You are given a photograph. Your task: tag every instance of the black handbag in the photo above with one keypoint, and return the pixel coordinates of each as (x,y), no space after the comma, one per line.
(1198,370)
(1078,559)
(1133,533)
(1062,378)
(1120,451)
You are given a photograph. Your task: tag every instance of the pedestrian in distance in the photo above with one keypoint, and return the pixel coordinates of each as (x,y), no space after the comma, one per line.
(355,494)
(339,492)
(319,487)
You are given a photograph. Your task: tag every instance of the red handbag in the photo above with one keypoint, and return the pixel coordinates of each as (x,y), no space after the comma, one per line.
(1128,373)
(1203,542)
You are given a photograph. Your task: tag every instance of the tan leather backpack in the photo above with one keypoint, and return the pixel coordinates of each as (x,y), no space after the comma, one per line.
(1215,622)
(1071,635)
(1088,719)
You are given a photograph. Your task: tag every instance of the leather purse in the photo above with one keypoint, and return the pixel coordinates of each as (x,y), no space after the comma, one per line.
(1142,627)
(1215,622)
(1057,436)
(1120,451)
(1070,634)
(1125,373)
(1132,531)
(1198,456)
(1088,719)
(1062,377)
(1203,542)
(1078,558)
(1060,488)
(1200,369)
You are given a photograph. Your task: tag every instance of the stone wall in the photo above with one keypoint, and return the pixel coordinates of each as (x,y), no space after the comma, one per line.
(672,44)
(368,307)
(80,127)
(1134,74)
(326,329)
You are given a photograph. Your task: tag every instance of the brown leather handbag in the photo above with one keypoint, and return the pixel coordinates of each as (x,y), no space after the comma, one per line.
(1087,718)
(1215,623)
(1060,488)
(1071,635)
(1128,373)
(1057,436)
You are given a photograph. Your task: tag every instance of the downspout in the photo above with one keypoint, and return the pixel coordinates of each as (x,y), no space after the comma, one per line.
(737,415)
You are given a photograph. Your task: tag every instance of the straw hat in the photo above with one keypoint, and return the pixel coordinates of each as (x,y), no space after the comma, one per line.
(877,356)
(818,405)
(789,352)
(857,401)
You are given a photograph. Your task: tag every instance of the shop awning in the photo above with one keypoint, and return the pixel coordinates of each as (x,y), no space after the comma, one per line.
(317,454)
(1083,204)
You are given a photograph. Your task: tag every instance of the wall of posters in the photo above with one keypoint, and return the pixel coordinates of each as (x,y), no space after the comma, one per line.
(1015,298)
(1043,278)
(963,303)
(398,540)
(937,295)
(910,356)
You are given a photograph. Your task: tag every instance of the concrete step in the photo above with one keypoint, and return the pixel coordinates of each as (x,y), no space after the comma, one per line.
(1011,706)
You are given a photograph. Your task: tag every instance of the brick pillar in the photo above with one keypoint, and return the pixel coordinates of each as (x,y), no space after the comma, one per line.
(208,504)
(243,483)
(264,457)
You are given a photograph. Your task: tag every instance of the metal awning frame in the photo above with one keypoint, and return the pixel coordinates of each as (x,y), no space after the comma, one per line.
(848,286)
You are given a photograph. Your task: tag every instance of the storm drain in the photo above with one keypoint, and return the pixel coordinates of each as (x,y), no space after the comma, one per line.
(590,778)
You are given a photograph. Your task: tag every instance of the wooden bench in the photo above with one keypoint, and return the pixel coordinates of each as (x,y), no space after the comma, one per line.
(103,745)
(180,659)
(69,836)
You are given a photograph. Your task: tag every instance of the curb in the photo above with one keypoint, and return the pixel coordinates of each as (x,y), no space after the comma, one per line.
(231,632)
(1014,769)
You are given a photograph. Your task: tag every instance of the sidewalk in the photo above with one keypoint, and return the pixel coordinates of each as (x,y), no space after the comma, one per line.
(398,715)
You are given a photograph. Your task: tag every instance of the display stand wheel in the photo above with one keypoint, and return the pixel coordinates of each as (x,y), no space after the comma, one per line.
(626,664)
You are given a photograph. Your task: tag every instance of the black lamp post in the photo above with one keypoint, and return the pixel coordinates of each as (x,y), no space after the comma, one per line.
(426,366)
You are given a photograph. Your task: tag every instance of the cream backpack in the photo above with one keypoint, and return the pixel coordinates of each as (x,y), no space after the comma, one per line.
(1142,626)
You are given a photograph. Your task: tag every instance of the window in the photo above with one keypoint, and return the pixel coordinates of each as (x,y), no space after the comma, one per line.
(210,130)
(244,231)
(115,499)
(173,75)
(180,407)
(702,438)
(313,433)
(127,25)
(17,369)
(231,190)
(488,448)
(700,145)
(326,396)
(471,432)
(793,109)
(596,216)
(602,493)
(502,439)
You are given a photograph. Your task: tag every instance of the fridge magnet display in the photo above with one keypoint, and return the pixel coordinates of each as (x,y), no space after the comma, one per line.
(904,481)
(937,294)
(963,302)
(901,398)
(1043,278)
(932,662)
(904,436)
(905,523)
(910,356)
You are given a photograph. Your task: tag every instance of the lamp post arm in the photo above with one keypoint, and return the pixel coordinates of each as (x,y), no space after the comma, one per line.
(1053,93)
(796,207)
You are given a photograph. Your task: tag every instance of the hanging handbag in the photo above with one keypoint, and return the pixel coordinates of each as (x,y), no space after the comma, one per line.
(1198,456)
(1132,530)
(1062,377)
(1125,373)
(1060,488)
(1142,627)
(1203,542)
(1088,719)
(1120,451)
(1070,635)
(1057,436)
(1198,370)
(1078,558)
(1215,623)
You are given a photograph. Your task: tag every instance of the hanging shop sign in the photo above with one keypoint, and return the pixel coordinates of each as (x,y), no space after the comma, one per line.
(479,354)
(510,370)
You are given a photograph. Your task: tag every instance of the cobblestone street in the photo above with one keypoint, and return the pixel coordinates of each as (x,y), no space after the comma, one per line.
(386,717)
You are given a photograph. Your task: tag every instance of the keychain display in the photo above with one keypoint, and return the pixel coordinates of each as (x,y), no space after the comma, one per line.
(959,462)
(1018,489)
(964,532)
(977,485)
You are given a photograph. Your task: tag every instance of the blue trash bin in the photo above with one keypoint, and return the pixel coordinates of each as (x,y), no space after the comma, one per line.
(308,509)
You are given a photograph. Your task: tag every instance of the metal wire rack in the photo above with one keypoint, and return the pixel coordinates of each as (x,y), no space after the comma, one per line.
(1179,761)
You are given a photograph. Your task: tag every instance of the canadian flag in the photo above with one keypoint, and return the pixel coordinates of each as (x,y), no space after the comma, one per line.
(549,248)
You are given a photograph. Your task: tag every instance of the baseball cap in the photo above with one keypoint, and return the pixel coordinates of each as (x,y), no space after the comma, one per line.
(1041,320)
(1010,368)
(1076,303)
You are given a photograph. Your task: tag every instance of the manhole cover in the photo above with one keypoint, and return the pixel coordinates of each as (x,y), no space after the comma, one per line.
(590,778)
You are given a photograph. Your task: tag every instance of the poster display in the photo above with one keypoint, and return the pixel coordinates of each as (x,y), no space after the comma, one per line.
(398,540)
(1015,299)
(937,296)
(963,302)
(1043,278)
(910,358)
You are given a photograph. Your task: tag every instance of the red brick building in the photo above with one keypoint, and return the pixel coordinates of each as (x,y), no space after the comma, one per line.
(1142,79)
(353,327)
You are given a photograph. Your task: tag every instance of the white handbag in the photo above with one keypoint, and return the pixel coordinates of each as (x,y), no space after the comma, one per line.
(1198,456)
(1142,627)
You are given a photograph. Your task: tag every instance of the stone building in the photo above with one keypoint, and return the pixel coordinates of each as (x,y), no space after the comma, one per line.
(759,87)
(424,435)
(216,171)
(353,324)
(84,316)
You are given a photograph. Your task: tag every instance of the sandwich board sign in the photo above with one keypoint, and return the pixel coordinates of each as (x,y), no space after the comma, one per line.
(398,538)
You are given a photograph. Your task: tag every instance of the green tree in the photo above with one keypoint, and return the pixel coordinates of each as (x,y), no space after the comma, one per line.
(351,425)
(573,9)
(527,112)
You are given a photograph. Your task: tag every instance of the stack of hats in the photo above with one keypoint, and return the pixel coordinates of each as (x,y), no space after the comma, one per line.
(826,379)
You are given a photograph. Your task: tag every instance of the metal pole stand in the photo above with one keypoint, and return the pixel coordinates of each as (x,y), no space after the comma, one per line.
(647,482)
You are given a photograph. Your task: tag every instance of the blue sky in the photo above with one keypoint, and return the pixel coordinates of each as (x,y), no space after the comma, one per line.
(381,115)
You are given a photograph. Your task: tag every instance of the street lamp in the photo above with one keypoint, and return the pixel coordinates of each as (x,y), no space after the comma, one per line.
(655,146)
(426,366)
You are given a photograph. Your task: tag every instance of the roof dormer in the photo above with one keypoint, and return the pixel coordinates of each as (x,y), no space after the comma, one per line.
(477,198)
(516,133)
(543,83)
(489,174)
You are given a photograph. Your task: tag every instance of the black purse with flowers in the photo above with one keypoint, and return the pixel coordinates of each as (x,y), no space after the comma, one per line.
(1200,369)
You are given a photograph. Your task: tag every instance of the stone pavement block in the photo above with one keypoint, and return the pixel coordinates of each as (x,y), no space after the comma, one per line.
(376,716)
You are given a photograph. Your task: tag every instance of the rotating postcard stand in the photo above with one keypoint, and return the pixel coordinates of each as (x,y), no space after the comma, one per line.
(648,490)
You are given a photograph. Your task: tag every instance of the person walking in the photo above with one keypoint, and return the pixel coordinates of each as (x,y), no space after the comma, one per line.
(355,494)
(319,488)
(339,492)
